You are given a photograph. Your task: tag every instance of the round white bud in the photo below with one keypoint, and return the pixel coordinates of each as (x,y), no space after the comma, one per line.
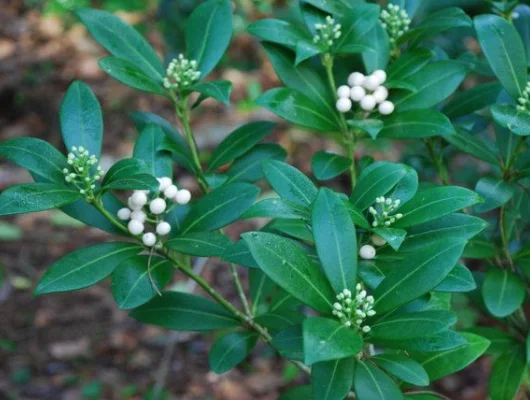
(386,107)
(380,94)
(357,93)
(367,252)
(149,239)
(380,75)
(157,206)
(139,198)
(138,215)
(378,240)
(163,228)
(368,102)
(344,105)
(171,191)
(135,227)
(343,91)
(132,205)
(371,82)
(165,182)
(356,79)
(124,213)
(183,196)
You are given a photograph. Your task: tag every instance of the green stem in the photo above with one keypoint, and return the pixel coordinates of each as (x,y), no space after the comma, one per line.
(240,290)
(437,159)
(504,239)
(99,206)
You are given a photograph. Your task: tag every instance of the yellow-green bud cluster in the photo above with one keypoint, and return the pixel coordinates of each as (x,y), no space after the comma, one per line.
(327,33)
(396,22)
(181,73)
(353,310)
(82,171)
(524,100)
(381,211)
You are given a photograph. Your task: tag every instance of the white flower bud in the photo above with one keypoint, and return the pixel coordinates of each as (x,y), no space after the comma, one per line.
(378,240)
(380,75)
(124,213)
(149,239)
(370,313)
(386,107)
(366,329)
(157,206)
(357,93)
(399,216)
(138,215)
(343,91)
(337,306)
(356,79)
(368,102)
(183,196)
(367,252)
(380,94)
(138,198)
(371,82)
(347,324)
(165,182)
(344,105)
(132,205)
(163,228)
(135,227)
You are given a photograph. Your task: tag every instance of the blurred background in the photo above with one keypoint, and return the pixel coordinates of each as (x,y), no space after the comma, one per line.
(79,345)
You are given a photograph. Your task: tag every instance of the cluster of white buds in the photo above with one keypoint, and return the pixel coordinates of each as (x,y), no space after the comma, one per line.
(83,172)
(353,310)
(381,211)
(368,91)
(152,209)
(181,73)
(327,33)
(396,22)
(524,100)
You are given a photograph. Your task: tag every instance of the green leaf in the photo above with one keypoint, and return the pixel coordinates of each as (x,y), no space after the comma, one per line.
(289,182)
(504,50)
(460,279)
(434,203)
(370,126)
(85,267)
(417,274)
(441,341)
(88,214)
(328,165)
(37,156)
(294,228)
(121,40)
(184,312)
(394,237)
(143,119)
(33,197)
(412,325)
(208,33)
(136,280)
(408,64)
(474,146)
(371,383)
(289,343)
(230,350)
(300,392)
(277,208)
(402,368)
(248,167)
(146,149)
(200,244)
(480,248)
(287,264)
(220,207)
(495,193)
(435,82)
(218,90)
(278,31)
(131,75)
(121,181)
(521,23)
(378,56)
(508,117)
(81,119)
(260,290)
(356,22)
(507,375)
(335,239)
(297,108)
(279,320)
(416,124)
(326,339)
(440,364)
(332,380)
(239,253)
(471,100)
(503,292)
(356,216)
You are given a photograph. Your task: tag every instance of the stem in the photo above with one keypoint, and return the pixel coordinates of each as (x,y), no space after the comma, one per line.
(99,206)
(437,159)
(505,240)
(240,290)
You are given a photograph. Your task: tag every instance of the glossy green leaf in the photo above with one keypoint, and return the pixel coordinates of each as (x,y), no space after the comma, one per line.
(239,253)
(33,197)
(371,383)
(522,23)
(327,339)
(356,216)
(121,40)
(260,287)
(370,126)
(508,117)
(85,267)
(355,23)
(504,50)
(277,208)
(278,320)
(335,239)
(394,237)
(278,31)
(416,124)
(328,165)
(289,182)
(377,57)
(460,279)
(220,207)
(480,248)
(473,99)
(184,312)
(137,280)
(441,341)
(146,149)
(474,146)
(294,228)
(81,119)
(230,350)
(409,63)
(507,375)
(495,193)
(143,119)
(208,33)
(403,368)
(332,380)
(503,292)
(218,90)
(248,167)
(299,392)
(288,265)
(290,343)
(200,244)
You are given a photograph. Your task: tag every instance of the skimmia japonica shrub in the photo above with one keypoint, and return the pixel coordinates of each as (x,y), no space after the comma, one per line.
(353,288)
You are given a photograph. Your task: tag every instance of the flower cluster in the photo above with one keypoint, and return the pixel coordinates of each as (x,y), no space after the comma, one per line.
(524,100)
(381,211)
(327,33)
(368,91)
(152,208)
(396,21)
(83,172)
(352,311)
(181,73)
